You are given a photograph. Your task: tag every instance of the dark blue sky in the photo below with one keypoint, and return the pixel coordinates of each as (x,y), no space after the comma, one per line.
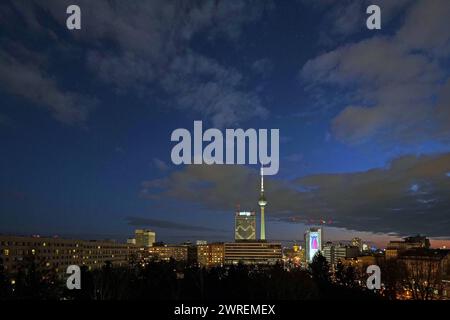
(86,116)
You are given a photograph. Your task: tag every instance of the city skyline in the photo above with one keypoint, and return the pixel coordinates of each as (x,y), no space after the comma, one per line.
(86,118)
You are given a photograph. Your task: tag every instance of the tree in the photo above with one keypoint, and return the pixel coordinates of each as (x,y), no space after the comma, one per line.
(320,269)
(346,275)
(393,273)
(339,274)
(5,284)
(35,280)
(423,277)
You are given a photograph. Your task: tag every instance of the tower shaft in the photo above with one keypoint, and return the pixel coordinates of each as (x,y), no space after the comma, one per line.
(263,224)
(262,204)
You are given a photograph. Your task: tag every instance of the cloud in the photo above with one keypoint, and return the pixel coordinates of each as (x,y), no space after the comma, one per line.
(344,18)
(263,67)
(443,109)
(200,84)
(426,28)
(378,200)
(164,224)
(141,47)
(394,81)
(222,186)
(30,81)
(384,199)
(160,165)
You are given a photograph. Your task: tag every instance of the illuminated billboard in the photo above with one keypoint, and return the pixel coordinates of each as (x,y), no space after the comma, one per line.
(313,240)
(313,244)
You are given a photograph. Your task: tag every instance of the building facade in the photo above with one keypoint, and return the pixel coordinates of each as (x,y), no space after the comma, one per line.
(334,253)
(211,255)
(245,226)
(252,252)
(342,252)
(394,248)
(144,238)
(428,270)
(357,242)
(165,252)
(328,253)
(313,243)
(58,253)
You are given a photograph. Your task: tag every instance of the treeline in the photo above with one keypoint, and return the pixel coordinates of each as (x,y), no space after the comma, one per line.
(177,281)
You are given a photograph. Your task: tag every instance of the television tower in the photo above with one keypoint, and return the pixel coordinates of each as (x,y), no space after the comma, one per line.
(262,203)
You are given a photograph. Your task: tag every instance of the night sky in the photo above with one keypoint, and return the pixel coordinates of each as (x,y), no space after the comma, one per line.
(86,117)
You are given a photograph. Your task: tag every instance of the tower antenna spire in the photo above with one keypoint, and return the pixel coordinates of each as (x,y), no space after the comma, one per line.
(262,203)
(262,179)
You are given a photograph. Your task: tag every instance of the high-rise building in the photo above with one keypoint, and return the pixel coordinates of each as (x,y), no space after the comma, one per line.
(245,226)
(144,237)
(357,242)
(262,204)
(328,252)
(313,242)
(365,247)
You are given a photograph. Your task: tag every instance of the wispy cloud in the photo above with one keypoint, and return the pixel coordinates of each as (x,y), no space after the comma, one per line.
(164,224)
(160,165)
(148,48)
(360,201)
(30,81)
(395,80)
